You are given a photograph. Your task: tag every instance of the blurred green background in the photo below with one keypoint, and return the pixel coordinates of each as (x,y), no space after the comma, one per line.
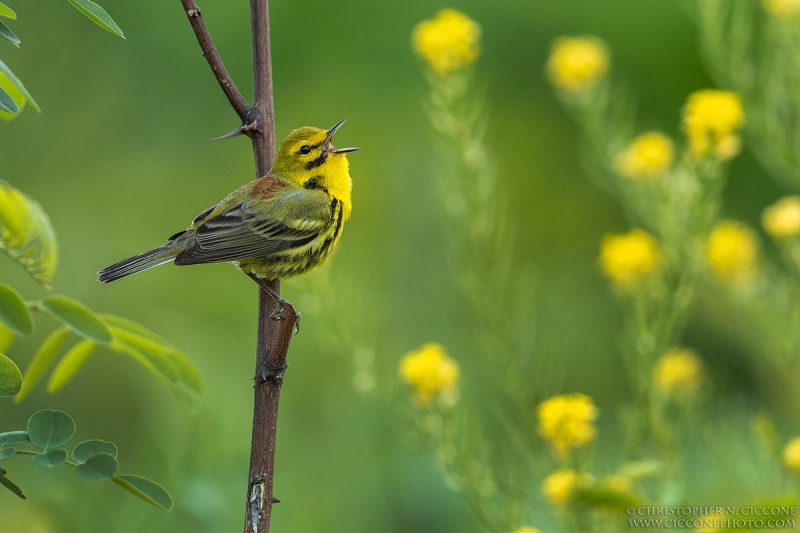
(121,158)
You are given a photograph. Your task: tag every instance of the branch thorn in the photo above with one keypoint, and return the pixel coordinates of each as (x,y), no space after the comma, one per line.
(235,133)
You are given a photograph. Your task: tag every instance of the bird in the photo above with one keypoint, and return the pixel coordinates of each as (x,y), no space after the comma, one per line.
(277,226)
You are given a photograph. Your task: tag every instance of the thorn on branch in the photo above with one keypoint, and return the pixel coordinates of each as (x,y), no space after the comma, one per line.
(235,133)
(275,500)
(269,372)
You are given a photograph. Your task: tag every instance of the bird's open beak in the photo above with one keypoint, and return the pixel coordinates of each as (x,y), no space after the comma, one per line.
(328,145)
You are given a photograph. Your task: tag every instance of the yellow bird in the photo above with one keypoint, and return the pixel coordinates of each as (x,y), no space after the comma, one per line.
(277,226)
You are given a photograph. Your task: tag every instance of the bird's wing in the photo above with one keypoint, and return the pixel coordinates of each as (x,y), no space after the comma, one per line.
(262,224)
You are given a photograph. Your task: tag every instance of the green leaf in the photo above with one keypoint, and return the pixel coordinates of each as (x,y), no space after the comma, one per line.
(42,361)
(10,377)
(6,33)
(78,318)
(90,448)
(98,15)
(51,458)
(7,483)
(100,466)
(26,234)
(7,12)
(7,102)
(5,453)
(69,365)
(10,438)
(50,429)
(159,357)
(6,338)
(146,489)
(14,311)
(16,89)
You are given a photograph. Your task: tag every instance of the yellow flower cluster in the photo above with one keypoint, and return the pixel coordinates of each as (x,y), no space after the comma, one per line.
(678,371)
(431,373)
(577,63)
(567,421)
(732,251)
(650,154)
(782,9)
(791,455)
(782,219)
(527,529)
(448,42)
(559,486)
(710,120)
(630,257)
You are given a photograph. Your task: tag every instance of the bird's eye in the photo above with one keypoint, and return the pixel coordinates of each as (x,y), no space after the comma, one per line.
(305,149)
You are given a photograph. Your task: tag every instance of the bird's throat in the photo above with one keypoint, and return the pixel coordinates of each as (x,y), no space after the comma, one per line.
(336,179)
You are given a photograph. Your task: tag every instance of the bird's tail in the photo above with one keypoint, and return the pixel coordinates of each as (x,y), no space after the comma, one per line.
(137,263)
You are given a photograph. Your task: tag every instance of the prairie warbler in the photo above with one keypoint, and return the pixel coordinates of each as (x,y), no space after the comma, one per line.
(277,226)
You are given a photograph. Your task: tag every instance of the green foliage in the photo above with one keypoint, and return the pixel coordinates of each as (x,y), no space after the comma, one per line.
(159,357)
(10,377)
(13,94)
(93,459)
(98,15)
(41,361)
(50,458)
(49,429)
(7,12)
(146,489)
(26,234)
(7,483)
(77,317)
(14,311)
(6,33)
(89,448)
(98,466)
(13,87)
(7,103)
(69,365)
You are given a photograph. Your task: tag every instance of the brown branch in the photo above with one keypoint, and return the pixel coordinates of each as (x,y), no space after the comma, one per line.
(274,336)
(211,54)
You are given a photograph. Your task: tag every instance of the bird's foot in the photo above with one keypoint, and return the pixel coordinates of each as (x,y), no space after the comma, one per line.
(296,323)
(277,314)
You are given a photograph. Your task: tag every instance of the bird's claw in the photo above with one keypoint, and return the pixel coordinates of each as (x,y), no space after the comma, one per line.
(277,314)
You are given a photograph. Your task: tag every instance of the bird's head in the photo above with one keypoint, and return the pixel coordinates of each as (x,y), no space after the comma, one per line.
(308,157)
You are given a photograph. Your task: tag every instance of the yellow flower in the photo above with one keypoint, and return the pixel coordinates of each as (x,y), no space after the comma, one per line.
(782,9)
(782,219)
(791,455)
(527,529)
(630,257)
(448,42)
(567,421)
(576,63)
(679,370)
(431,373)
(559,485)
(710,119)
(650,154)
(732,251)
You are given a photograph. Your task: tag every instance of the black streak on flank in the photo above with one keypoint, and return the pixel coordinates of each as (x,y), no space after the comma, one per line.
(315,183)
(334,203)
(338,224)
(314,163)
